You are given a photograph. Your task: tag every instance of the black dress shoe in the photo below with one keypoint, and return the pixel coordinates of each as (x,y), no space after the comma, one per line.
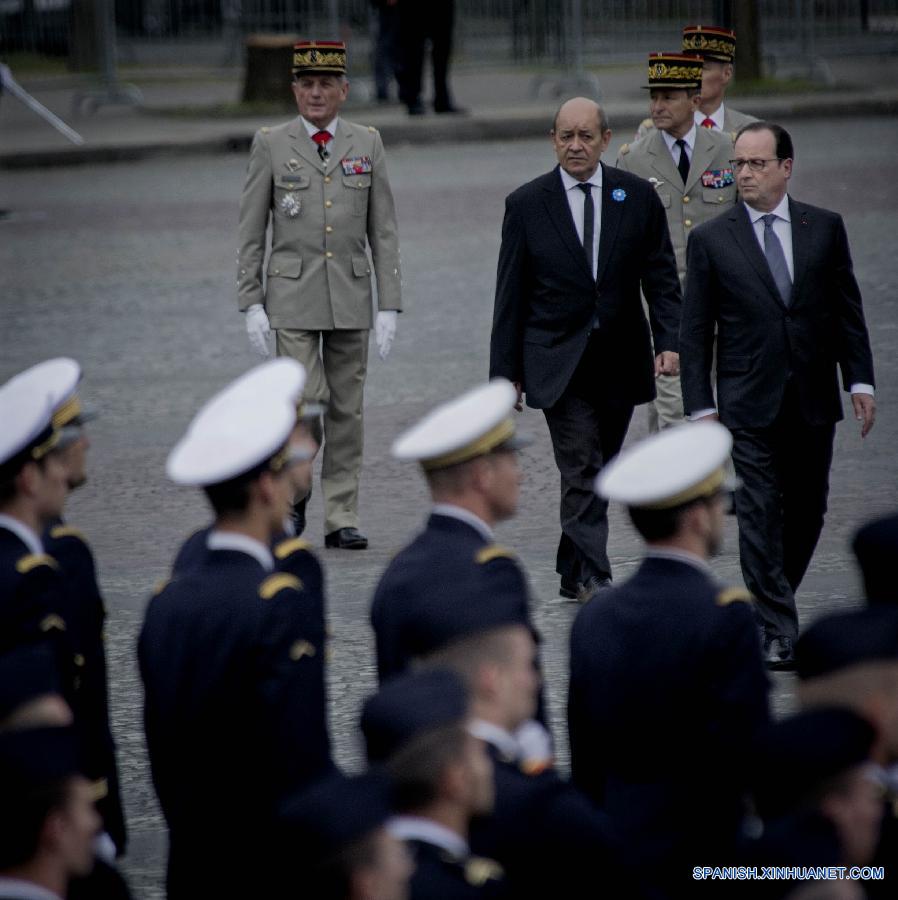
(589,588)
(346,539)
(416,109)
(778,653)
(298,515)
(450,109)
(568,589)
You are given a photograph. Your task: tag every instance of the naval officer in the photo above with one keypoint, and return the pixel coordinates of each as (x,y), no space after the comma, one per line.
(321,183)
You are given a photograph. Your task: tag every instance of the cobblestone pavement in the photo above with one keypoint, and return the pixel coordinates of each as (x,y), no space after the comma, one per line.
(130,268)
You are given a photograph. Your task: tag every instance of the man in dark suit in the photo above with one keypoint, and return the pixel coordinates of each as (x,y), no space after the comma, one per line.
(775,278)
(568,324)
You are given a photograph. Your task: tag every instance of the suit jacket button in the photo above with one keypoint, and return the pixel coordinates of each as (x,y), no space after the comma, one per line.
(686,198)
(687,222)
(329,229)
(328,203)
(329,255)
(327,179)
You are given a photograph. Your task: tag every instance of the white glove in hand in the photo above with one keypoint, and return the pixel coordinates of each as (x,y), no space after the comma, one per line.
(535,743)
(258,329)
(385,331)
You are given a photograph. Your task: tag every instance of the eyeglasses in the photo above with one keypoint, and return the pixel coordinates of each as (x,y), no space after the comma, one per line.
(756,165)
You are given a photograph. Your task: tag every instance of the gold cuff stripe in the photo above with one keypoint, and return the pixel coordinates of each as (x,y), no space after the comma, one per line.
(705,488)
(497,435)
(67,412)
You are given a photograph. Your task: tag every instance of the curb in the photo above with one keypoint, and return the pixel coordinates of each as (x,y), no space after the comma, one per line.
(516,126)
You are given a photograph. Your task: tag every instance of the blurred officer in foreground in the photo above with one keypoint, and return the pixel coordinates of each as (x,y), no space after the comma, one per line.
(816,791)
(549,838)
(453,573)
(876,547)
(321,183)
(60,379)
(232,658)
(336,842)
(717,49)
(690,169)
(670,652)
(47,818)
(281,377)
(417,725)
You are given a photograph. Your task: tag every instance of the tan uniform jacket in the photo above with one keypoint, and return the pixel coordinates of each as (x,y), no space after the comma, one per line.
(733,120)
(695,202)
(318,275)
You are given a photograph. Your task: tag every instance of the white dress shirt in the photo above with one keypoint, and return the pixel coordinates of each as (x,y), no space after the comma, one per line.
(716,117)
(331,129)
(466,516)
(504,741)
(23,533)
(416,828)
(242,543)
(576,200)
(27,890)
(675,151)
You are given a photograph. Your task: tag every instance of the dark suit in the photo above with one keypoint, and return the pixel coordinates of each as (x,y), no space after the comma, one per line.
(667,687)
(586,381)
(232,660)
(777,386)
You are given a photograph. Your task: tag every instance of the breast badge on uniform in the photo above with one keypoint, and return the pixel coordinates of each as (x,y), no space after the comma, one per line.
(357,165)
(291,205)
(718,178)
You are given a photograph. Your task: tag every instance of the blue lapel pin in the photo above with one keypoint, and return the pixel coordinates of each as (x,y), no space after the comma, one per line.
(619,194)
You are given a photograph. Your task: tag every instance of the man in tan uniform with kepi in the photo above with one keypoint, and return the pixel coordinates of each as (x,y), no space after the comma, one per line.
(322,183)
(717,48)
(691,171)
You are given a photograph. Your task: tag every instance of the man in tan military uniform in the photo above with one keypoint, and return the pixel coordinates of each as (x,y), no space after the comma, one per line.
(717,48)
(322,183)
(690,169)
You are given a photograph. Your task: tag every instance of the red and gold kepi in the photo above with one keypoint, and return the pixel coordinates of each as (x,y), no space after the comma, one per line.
(319,58)
(680,71)
(710,42)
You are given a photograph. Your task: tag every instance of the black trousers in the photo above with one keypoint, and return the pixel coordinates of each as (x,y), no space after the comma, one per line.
(780,507)
(420,22)
(587,426)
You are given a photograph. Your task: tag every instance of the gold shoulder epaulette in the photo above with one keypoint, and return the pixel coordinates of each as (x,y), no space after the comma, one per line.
(479,870)
(265,129)
(291,545)
(493,551)
(273,584)
(371,128)
(52,622)
(161,585)
(61,531)
(99,789)
(299,649)
(647,123)
(34,560)
(624,150)
(733,595)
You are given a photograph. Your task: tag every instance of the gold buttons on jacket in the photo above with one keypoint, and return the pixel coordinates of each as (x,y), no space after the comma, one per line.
(686,198)
(329,255)
(687,222)
(328,204)
(327,179)
(329,229)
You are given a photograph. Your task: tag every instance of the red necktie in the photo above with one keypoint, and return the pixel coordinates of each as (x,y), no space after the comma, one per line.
(321,138)
(708,122)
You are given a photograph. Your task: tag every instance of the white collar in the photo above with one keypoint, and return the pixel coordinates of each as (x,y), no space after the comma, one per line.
(689,137)
(717,117)
(504,741)
(781,211)
(26,890)
(243,543)
(22,532)
(683,556)
(331,129)
(416,828)
(466,516)
(570,182)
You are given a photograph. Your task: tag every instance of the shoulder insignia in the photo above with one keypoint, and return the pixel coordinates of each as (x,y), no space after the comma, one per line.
(371,128)
(99,789)
(291,545)
(624,150)
(647,123)
(494,551)
(33,560)
(479,870)
(273,584)
(161,585)
(61,531)
(733,595)
(299,649)
(52,623)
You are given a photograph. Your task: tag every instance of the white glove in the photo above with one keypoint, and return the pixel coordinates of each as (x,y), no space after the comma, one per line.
(535,744)
(258,328)
(385,331)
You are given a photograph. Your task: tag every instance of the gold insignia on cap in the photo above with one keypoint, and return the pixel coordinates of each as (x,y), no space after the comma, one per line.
(52,623)
(67,412)
(273,584)
(34,560)
(291,545)
(480,447)
(299,649)
(63,531)
(479,870)
(733,595)
(705,488)
(494,551)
